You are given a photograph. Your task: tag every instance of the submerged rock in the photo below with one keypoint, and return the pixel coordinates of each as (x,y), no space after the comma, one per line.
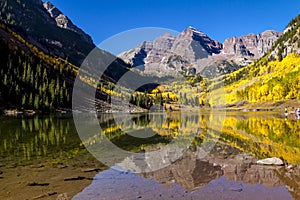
(63,196)
(270,161)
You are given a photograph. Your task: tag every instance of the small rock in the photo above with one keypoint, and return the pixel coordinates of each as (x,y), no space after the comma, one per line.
(37,184)
(236,189)
(270,161)
(45,195)
(63,196)
(78,178)
(290,167)
(91,170)
(37,166)
(40,197)
(62,166)
(51,193)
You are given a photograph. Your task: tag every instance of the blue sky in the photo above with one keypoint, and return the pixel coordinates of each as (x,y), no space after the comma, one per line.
(219,19)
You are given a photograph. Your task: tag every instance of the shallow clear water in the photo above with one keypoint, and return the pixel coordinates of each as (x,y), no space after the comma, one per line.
(177,155)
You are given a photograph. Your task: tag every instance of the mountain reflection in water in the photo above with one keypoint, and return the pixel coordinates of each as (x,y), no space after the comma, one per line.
(215,177)
(228,171)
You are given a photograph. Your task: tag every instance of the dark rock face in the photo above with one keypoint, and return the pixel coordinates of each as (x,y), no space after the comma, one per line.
(43,25)
(211,46)
(195,51)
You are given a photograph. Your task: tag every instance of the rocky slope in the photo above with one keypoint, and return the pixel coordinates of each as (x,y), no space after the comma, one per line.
(43,25)
(289,42)
(192,49)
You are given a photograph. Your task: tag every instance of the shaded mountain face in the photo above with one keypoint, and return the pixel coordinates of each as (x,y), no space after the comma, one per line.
(192,50)
(43,25)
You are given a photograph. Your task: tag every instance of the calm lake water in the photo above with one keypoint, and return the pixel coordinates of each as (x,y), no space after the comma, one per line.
(177,155)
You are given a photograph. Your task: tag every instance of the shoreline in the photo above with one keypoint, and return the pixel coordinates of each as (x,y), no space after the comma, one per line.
(278,106)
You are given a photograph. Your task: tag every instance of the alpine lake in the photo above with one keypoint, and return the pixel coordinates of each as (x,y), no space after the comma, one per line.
(171,155)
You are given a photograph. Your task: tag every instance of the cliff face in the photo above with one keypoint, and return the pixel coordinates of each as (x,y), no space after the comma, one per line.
(251,45)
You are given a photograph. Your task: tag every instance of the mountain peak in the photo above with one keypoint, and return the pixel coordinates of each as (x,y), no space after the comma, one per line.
(191,31)
(271,33)
(63,21)
(194,30)
(167,34)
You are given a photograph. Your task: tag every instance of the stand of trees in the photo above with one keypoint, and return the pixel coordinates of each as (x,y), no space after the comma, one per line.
(29,82)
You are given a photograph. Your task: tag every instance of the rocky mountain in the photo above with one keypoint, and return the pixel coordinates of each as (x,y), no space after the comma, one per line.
(193,51)
(43,25)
